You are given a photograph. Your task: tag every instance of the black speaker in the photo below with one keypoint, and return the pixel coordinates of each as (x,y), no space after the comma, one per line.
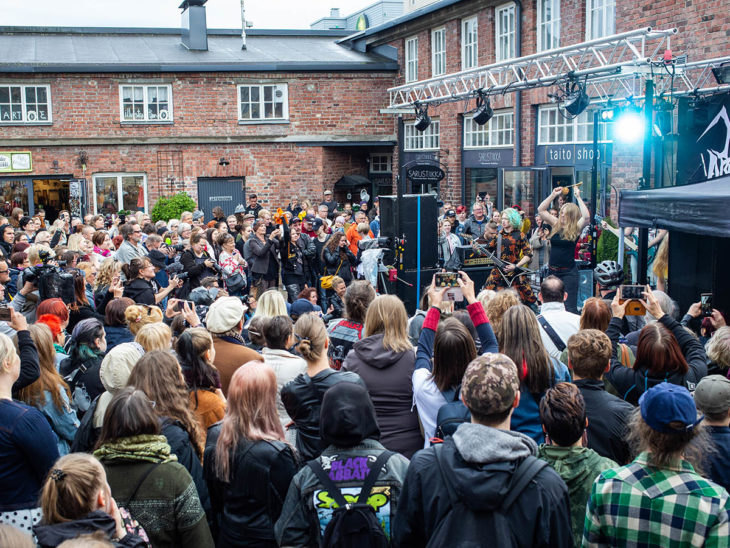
(419,228)
(478,274)
(407,287)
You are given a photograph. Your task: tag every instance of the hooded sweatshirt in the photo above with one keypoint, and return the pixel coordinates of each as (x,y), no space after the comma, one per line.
(388,376)
(579,467)
(50,536)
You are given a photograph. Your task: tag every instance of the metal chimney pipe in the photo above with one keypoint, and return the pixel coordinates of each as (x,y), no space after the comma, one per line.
(194,28)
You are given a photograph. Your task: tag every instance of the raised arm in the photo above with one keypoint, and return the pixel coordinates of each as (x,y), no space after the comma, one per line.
(585,214)
(543,208)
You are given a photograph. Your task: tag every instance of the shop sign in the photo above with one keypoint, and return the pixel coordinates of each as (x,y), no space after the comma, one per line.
(420,157)
(572,154)
(15,161)
(221,198)
(488,158)
(425,174)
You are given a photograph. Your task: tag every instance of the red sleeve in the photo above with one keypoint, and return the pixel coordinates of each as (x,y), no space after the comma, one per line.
(432,319)
(477,314)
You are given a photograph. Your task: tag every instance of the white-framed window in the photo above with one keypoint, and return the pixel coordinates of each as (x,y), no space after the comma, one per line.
(412,59)
(263,102)
(114,192)
(438,52)
(555,128)
(548,24)
(145,103)
(469,40)
(25,104)
(504,21)
(381,163)
(600,18)
(422,140)
(498,132)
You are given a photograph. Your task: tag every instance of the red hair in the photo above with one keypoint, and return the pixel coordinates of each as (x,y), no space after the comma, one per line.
(658,351)
(53,323)
(53,306)
(117,241)
(595,314)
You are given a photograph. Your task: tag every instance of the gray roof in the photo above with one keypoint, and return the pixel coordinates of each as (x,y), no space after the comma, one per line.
(48,50)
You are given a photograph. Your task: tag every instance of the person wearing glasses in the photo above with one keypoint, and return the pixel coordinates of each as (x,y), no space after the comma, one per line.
(140,286)
(131,247)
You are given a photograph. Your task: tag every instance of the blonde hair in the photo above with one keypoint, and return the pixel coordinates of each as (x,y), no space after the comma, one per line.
(387,315)
(499,304)
(7,349)
(661,261)
(139,315)
(12,537)
(311,336)
(363,228)
(718,347)
(486,295)
(568,230)
(154,336)
(271,304)
(74,242)
(108,268)
(34,257)
(86,266)
(70,489)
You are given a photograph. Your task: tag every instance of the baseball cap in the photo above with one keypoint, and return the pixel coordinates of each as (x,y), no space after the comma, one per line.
(490,383)
(302,306)
(668,403)
(328,192)
(451,213)
(249,215)
(363,203)
(316,224)
(309,218)
(712,394)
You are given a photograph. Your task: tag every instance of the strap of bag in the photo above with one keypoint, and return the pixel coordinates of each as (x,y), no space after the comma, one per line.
(141,481)
(452,394)
(499,245)
(327,483)
(310,384)
(373,476)
(528,469)
(338,267)
(557,341)
(453,498)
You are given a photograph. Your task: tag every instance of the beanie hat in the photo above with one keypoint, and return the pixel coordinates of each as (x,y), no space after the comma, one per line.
(490,384)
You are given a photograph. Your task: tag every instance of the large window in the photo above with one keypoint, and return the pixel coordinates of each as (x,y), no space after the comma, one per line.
(422,140)
(555,127)
(505,31)
(145,103)
(381,163)
(548,24)
(25,104)
(412,59)
(600,18)
(263,102)
(498,132)
(438,52)
(469,49)
(114,192)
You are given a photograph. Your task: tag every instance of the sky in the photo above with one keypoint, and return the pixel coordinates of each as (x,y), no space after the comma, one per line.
(264,14)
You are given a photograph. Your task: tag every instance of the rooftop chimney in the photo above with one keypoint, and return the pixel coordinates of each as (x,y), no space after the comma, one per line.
(194,28)
(335,13)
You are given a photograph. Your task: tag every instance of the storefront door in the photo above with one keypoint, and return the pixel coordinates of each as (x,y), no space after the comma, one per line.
(522,187)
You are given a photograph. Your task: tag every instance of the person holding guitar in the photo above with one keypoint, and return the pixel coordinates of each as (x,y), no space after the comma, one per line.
(511,246)
(567,227)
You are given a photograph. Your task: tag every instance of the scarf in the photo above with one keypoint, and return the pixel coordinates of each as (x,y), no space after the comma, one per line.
(145,447)
(102,252)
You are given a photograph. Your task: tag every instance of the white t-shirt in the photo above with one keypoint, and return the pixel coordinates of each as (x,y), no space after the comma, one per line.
(428,399)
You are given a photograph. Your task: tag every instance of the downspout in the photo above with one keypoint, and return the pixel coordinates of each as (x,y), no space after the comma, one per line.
(518,95)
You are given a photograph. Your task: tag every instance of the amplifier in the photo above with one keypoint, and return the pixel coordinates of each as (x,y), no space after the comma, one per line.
(469,257)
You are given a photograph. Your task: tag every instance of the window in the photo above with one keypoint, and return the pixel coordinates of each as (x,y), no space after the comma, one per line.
(114,192)
(438,52)
(600,18)
(381,163)
(555,128)
(25,104)
(498,132)
(145,103)
(469,50)
(263,102)
(548,24)
(412,59)
(505,32)
(422,140)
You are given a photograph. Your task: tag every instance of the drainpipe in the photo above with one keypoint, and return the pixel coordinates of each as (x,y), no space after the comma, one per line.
(518,95)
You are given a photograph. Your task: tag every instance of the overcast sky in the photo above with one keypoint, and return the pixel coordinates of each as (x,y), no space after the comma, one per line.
(265,14)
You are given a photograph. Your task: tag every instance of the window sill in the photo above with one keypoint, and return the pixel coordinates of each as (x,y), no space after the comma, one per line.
(25,124)
(488,147)
(262,122)
(147,123)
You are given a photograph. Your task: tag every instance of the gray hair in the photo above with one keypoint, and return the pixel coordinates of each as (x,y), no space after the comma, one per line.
(182,227)
(718,347)
(666,303)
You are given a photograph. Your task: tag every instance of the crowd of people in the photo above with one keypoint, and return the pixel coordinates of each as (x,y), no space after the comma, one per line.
(241,382)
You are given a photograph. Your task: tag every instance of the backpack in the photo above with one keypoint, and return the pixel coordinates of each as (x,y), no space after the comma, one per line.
(451,414)
(353,524)
(463,527)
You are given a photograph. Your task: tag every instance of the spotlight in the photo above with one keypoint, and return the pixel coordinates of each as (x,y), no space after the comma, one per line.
(722,73)
(484,111)
(664,120)
(629,127)
(608,114)
(423,120)
(576,100)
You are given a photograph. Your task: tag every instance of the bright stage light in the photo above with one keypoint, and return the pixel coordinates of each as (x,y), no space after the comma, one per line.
(629,127)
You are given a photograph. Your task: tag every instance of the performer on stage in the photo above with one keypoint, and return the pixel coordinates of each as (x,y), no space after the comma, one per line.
(567,227)
(511,246)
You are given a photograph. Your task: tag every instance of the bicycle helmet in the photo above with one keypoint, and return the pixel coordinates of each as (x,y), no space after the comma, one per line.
(609,274)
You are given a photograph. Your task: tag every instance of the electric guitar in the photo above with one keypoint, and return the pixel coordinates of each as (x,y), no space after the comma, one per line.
(632,249)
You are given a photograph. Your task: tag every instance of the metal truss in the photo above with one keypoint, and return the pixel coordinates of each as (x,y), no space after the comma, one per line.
(627,56)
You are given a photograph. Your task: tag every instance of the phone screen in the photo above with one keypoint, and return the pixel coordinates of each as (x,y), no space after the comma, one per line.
(632,292)
(5,315)
(447,279)
(706,304)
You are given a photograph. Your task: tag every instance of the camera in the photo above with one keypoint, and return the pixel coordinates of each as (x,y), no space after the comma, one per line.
(52,281)
(176,269)
(176,247)
(108,222)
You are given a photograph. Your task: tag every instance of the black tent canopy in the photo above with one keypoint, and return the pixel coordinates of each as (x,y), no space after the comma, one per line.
(352,181)
(701,208)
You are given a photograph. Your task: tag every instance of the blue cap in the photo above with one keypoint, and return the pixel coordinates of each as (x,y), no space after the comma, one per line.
(668,403)
(303,306)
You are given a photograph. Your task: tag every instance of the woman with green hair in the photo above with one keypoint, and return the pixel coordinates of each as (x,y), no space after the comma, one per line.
(81,368)
(512,247)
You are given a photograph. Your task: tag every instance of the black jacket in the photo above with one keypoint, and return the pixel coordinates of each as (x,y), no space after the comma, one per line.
(117,334)
(140,291)
(86,386)
(50,536)
(30,369)
(332,264)
(303,400)
(195,268)
(246,508)
(607,418)
(262,253)
(84,312)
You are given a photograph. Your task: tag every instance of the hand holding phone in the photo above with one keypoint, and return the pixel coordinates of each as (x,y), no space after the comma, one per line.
(706,304)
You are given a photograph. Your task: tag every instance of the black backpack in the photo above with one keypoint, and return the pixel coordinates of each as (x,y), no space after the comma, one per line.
(469,527)
(451,414)
(353,524)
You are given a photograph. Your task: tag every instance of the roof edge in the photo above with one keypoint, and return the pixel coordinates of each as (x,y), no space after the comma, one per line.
(171,31)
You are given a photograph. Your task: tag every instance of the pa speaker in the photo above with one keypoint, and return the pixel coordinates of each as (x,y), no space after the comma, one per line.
(418,226)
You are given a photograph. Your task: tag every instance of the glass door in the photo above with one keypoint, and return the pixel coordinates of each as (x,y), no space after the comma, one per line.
(521,187)
(120,191)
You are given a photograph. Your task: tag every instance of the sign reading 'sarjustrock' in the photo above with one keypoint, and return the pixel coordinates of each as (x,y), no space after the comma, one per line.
(424,173)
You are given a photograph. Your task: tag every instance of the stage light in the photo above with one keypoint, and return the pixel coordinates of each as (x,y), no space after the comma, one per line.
(608,114)
(629,126)
(423,120)
(722,73)
(576,100)
(484,111)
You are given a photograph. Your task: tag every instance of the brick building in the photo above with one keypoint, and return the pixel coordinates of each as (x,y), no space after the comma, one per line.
(527,147)
(112,119)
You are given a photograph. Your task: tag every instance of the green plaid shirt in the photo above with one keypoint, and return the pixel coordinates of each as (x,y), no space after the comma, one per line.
(640,505)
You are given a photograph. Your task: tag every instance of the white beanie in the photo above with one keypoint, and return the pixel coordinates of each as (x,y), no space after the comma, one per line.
(224,314)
